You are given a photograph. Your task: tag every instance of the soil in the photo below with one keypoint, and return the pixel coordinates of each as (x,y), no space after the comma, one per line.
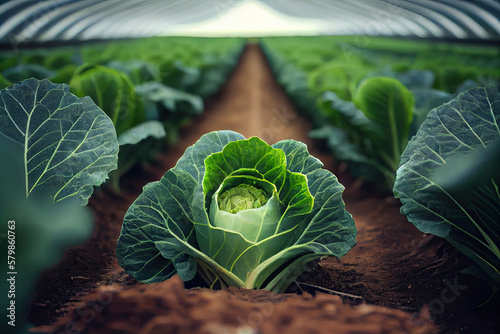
(395,280)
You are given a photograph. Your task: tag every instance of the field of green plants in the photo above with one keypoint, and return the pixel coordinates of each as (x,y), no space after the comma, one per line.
(147,87)
(73,117)
(419,121)
(416,118)
(338,83)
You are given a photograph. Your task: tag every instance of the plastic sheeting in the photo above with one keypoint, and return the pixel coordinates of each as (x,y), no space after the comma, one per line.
(418,18)
(29,21)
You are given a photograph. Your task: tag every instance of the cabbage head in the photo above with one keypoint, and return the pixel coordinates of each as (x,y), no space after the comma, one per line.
(237,212)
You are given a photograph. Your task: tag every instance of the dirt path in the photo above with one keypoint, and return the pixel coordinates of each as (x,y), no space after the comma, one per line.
(250,103)
(392,265)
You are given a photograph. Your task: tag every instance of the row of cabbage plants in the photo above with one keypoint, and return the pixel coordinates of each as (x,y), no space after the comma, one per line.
(70,118)
(417,118)
(347,86)
(150,87)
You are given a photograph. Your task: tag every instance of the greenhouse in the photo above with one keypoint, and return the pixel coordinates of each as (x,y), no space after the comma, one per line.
(250,166)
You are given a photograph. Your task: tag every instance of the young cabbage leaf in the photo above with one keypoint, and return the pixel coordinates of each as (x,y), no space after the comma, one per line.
(139,71)
(112,91)
(449,175)
(168,104)
(137,145)
(370,132)
(69,145)
(388,104)
(174,108)
(239,212)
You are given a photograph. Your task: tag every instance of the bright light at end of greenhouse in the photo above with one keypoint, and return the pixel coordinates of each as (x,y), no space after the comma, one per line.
(250,19)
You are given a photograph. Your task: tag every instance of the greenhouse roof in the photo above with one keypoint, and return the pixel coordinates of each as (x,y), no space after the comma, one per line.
(29,21)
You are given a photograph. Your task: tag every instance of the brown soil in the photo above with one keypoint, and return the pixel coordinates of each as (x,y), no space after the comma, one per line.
(395,280)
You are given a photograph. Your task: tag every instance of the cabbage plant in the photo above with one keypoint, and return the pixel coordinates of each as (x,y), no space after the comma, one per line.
(237,212)
(448,179)
(372,131)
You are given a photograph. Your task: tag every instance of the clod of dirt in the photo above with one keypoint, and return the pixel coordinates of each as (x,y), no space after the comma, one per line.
(167,307)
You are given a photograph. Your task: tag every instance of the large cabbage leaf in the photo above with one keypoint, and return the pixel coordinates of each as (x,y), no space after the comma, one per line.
(69,145)
(169,228)
(438,191)
(55,147)
(38,229)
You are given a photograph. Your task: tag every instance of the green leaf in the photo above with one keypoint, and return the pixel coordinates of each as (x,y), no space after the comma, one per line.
(425,101)
(175,74)
(465,213)
(69,144)
(339,143)
(344,149)
(244,154)
(137,70)
(25,71)
(42,230)
(460,173)
(142,131)
(342,114)
(416,79)
(112,91)
(157,228)
(388,104)
(193,160)
(138,144)
(337,76)
(172,99)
